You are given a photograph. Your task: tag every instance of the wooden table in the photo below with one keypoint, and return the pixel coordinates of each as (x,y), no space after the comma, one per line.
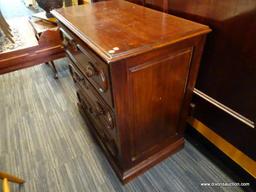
(40,24)
(34,51)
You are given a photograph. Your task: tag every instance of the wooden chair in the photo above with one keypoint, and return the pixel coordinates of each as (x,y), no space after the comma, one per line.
(6,178)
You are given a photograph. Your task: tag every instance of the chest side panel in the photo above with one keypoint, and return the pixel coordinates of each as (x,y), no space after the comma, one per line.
(156,89)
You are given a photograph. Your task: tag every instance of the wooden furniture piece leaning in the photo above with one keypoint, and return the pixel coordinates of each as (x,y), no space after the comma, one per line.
(134,71)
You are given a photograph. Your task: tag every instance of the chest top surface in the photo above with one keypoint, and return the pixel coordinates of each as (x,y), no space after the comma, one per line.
(118,29)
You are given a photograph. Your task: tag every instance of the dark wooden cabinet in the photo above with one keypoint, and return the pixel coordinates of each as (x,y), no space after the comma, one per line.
(134,71)
(225,99)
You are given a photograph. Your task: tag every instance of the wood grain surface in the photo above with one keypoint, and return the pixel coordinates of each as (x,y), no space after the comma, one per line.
(127,29)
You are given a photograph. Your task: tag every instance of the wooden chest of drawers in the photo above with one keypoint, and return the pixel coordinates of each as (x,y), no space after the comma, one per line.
(134,70)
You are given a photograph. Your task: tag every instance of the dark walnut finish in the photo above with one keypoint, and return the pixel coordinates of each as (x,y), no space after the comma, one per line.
(134,69)
(228,68)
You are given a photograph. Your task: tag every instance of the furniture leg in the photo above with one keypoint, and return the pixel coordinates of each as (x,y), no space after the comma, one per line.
(6,187)
(54,70)
(11,178)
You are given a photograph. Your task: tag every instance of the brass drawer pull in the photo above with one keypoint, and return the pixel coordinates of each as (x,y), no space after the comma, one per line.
(104,86)
(92,71)
(110,120)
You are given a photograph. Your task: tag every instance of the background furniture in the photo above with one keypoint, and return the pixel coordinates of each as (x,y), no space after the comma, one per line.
(134,73)
(40,26)
(66,2)
(49,5)
(47,48)
(6,178)
(225,94)
(4,27)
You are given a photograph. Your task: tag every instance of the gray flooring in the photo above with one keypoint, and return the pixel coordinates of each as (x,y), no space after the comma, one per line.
(44,140)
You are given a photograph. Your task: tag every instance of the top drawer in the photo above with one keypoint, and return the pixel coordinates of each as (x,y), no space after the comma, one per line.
(96,71)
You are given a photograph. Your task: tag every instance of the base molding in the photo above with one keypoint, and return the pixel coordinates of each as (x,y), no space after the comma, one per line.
(152,160)
(127,175)
(248,164)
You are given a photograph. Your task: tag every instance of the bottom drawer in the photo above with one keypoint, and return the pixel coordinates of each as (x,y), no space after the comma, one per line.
(97,107)
(97,111)
(93,115)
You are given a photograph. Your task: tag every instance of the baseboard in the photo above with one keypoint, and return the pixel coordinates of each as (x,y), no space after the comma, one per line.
(152,160)
(245,162)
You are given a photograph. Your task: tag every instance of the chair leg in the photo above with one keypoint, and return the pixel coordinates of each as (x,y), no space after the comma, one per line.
(6,187)
(54,70)
(11,178)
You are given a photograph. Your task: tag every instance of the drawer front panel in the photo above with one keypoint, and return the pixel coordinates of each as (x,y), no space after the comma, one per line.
(68,40)
(99,109)
(95,70)
(96,115)
(100,114)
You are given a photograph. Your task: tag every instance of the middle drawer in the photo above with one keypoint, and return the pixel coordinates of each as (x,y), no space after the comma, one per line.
(98,109)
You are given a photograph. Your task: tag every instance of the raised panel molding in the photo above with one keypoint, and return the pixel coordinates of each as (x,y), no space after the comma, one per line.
(156,89)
